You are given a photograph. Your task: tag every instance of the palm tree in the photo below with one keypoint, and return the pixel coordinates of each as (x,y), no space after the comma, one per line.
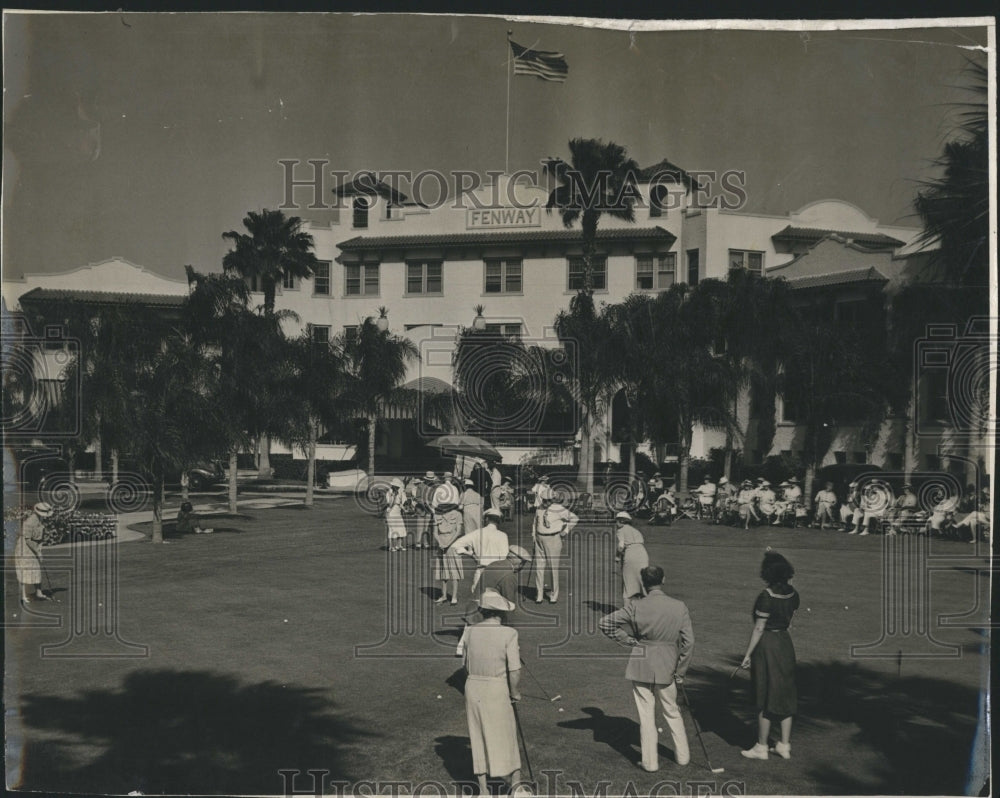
(375,362)
(598,180)
(319,381)
(955,206)
(275,248)
(586,335)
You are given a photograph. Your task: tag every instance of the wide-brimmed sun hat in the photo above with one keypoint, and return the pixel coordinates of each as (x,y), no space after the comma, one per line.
(396,482)
(623,516)
(765,484)
(493,512)
(43,509)
(543,478)
(468,482)
(492,600)
(723,481)
(520,552)
(430,475)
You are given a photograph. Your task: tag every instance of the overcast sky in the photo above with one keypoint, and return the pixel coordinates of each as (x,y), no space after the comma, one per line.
(147,136)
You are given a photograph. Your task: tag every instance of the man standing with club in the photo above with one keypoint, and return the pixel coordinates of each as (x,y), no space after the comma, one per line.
(553,522)
(658,630)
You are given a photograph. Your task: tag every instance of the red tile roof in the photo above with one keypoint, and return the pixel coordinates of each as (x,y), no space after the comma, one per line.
(812,234)
(102,297)
(625,234)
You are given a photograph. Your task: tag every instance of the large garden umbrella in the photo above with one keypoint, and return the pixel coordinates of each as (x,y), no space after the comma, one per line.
(466,444)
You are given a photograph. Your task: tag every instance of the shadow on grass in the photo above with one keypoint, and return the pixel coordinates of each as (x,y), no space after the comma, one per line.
(619,734)
(922,727)
(216,522)
(190,732)
(456,756)
(601,607)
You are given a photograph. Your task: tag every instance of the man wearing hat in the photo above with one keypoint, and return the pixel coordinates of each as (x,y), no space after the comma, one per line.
(782,505)
(493,668)
(487,544)
(28,553)
(706,497)
(553,522)
(658,630)
(501,576)
(538,490)
(505,499)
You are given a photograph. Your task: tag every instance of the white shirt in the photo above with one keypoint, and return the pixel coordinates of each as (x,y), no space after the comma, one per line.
(555,520)
(487,544)
(706,490)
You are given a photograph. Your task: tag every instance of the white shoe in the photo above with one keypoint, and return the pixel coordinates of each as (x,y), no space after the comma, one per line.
(208,531)
(757,752)
(862,534)
(784,750)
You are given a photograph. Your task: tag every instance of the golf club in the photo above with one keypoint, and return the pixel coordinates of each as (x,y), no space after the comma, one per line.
(551,699)
(736,670)
(697,730)
(50,593)
(524,746)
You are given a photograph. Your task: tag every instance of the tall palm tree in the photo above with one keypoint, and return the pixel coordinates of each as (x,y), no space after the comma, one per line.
(599,179)
(319,381)
(585,333)
(375,362)
(274,248)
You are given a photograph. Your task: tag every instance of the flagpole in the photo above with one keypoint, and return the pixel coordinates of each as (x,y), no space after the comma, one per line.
(506,156)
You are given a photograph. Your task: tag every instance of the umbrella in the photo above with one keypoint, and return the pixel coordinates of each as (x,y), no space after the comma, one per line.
(466,444)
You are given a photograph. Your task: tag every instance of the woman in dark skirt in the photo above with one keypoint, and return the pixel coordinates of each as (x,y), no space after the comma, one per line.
(771,656)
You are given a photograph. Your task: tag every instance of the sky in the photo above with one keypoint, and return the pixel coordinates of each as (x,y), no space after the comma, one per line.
(146,136)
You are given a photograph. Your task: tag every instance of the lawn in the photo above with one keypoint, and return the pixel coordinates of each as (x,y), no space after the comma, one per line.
(290,639)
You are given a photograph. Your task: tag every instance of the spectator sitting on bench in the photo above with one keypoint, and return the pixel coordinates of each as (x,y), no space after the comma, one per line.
(189,521)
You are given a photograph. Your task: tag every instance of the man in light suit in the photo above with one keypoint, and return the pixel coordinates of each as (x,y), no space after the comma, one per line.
(553,522)
(658,630)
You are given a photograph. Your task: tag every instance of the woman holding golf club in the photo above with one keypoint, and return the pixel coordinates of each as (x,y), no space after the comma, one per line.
(771,656)
(28,553)
(632,555)
(493,667)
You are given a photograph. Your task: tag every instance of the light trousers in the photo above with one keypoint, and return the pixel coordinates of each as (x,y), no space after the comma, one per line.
(548,551)
(646,697)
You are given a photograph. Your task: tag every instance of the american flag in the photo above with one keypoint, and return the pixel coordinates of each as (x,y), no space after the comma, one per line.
(542,64)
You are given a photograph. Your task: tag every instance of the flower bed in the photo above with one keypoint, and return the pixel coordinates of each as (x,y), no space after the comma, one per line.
(70,526)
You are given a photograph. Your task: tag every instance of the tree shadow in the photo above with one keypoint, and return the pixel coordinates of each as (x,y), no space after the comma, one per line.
(923,727)
(620,734)
(188,732)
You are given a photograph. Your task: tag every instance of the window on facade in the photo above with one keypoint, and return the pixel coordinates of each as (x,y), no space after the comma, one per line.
(253,282)
(693,266)
(935,407)
(288,282)
(655,272)
(361,205)
(789,411)
(503,276)
(598,274)
(658,196)
(350,333)
(506,330)
(321,278)
(424,277)
(320,333)
(746,259)
(361,279)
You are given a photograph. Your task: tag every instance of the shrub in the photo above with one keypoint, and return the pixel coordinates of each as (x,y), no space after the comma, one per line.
(75,527)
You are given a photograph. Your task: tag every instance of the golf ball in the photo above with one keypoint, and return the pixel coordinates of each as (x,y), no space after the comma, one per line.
(660,729)
(845,606)
(560,709)
(439,696)
(285,621)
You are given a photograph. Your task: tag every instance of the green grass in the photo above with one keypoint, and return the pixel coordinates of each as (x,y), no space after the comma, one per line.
(275,644)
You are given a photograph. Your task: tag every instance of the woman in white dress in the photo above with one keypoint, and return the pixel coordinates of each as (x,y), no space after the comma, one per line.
(394,523)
